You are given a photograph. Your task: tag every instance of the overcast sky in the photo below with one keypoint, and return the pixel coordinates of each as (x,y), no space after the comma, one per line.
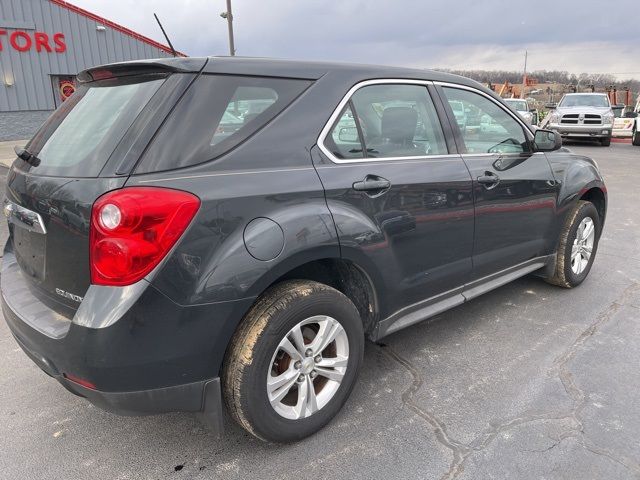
(595,36)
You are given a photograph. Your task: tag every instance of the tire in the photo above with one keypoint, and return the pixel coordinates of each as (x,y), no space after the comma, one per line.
(249,361)
(605,142)
(636,138)
(565,275)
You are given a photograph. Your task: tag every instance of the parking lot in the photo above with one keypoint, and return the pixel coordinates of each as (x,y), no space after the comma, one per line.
(529,381)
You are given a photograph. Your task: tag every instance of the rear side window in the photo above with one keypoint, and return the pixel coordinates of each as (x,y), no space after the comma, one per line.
(216,114)
(78,139)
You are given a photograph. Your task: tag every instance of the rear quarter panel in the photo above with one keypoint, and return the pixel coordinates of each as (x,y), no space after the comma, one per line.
(211,263)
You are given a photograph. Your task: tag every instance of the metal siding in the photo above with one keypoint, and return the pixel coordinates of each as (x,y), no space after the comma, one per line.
(86,47)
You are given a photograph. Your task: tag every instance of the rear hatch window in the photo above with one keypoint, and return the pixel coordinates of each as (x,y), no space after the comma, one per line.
(78,139)
(216,114)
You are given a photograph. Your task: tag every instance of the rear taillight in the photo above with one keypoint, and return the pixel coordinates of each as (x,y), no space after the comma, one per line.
(132,229)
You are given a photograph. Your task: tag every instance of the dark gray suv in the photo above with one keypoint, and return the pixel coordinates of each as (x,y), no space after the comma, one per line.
(191,232)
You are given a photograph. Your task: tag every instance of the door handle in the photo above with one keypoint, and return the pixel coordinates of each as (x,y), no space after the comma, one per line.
(372,184)
(489,179)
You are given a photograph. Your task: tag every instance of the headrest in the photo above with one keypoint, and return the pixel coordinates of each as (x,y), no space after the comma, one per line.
(399,124)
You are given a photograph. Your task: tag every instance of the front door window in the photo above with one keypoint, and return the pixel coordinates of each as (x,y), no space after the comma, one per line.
(484,125)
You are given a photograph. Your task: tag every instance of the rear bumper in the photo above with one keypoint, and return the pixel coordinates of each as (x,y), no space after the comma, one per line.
(156,357)
(191,397)
(203,396)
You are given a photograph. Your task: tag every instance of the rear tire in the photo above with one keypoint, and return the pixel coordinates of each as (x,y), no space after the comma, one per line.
(636,138)
(605,142)
(273,342)
(571,265)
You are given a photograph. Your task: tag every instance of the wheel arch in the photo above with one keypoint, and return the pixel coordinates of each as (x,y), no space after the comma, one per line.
(345,275)
(597,196)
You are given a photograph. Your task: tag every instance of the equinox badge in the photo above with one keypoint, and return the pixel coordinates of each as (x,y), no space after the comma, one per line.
(62,293)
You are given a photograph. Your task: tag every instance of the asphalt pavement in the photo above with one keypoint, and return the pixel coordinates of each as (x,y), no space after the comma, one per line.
(529,381)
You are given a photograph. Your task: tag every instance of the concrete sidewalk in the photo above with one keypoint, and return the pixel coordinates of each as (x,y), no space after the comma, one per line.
(7,155)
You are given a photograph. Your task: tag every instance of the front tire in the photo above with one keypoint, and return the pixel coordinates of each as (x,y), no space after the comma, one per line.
(577,246)
(293,361)
(605,142)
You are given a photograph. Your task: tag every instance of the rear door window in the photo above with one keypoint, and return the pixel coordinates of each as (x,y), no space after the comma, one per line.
(344,141)
(216,114)
(398,121)
(79,137)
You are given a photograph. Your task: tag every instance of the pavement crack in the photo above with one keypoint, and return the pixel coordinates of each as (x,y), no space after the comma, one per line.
(462,451)
(623,460)
(561,363)
(579,397)
(459,450)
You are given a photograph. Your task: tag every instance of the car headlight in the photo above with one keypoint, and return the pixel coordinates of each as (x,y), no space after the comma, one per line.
(554,117)
(608,117)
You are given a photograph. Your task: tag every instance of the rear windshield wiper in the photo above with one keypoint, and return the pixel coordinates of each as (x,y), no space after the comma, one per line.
(26,156)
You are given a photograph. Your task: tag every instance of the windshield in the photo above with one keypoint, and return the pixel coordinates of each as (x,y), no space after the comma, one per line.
(586,100)
(518,105)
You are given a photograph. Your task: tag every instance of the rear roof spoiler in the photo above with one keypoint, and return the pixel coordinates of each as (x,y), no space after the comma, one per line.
(139,67)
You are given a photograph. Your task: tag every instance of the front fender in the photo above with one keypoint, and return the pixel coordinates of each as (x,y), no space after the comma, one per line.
(575,175)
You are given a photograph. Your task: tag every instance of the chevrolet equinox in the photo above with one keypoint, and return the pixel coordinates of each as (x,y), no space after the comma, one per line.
(190,233)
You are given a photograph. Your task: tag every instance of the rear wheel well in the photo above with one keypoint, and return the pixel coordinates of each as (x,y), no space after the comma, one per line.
(347,278)
(596,196)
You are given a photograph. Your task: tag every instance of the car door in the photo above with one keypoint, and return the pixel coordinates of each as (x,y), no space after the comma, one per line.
(514,188)
(399,193)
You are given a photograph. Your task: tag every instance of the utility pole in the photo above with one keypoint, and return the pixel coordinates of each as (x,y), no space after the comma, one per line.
(524,77)
(229,16)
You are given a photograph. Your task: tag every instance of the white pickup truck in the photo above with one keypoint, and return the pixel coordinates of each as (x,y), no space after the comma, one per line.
(583,115)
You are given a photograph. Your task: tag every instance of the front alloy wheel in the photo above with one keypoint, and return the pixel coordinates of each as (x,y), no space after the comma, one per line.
(577,245)
(583,245)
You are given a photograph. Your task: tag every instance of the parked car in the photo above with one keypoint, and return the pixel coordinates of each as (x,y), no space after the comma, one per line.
(249,268)
(635,115)
(459,113)
(522,107)
(583,115)
(623,122)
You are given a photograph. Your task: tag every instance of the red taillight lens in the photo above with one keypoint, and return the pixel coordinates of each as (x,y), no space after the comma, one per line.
(132,229)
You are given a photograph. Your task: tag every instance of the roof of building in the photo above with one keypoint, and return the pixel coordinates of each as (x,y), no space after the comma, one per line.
(115,26)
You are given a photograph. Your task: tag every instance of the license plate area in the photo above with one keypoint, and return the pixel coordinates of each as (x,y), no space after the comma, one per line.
(30,250)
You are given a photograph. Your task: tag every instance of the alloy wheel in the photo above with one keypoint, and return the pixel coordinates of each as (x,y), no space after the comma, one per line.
(307,368)
(583,245)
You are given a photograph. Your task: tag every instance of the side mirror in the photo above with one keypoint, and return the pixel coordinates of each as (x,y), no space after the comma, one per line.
(547,141)
(348,135)
(631,115)
(21,153)
(551,106)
